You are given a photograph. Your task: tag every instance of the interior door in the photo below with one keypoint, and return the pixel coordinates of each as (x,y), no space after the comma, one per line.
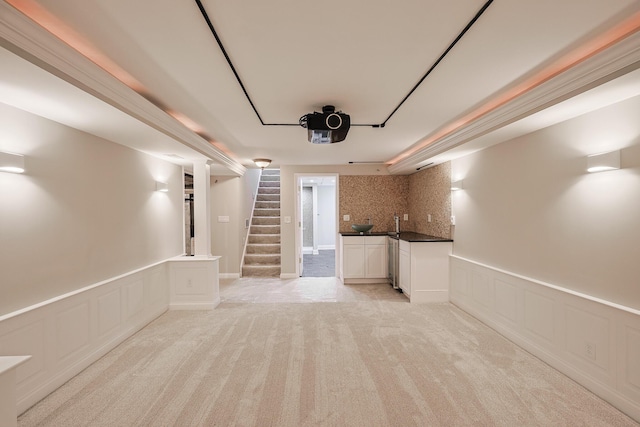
(299,232)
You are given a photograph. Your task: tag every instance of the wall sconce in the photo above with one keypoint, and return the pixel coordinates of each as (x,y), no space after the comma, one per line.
(162,186)
(11,162)
(603,161)
(262,163)
(456,185)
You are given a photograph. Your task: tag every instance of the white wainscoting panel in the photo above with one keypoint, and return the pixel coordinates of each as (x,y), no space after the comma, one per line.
(630,357)
(482,290)
(109,311)
(194,283)
(66,334)
(506,301)
(539,317)
(595,342)
(72,330)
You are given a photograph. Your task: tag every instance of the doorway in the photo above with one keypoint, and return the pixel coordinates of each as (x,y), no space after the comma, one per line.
(317,225)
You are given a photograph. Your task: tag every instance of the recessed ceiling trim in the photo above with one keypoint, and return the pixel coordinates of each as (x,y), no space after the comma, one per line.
(205,15)
(444,54)
(26,37)
(602,66)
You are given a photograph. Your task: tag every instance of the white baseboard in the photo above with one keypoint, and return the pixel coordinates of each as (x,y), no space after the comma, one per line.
(195,306)
(364,281)
(66,334)
(432,296)
(60,377)
(289,276)
(309,250)
(229,275)
(558,326)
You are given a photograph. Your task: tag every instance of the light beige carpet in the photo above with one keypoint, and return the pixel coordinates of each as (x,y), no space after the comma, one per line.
(369,362)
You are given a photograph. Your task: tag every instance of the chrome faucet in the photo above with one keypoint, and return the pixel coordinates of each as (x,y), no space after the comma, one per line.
(396,218)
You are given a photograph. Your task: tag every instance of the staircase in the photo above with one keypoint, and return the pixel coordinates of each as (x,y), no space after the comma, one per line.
(262,255)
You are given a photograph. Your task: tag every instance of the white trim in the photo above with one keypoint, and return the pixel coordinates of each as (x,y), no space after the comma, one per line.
(68,64)
(286,276)
(229,275)
(67,333)
(555,287)
(429,296)
(8,366)
(248,230)
(557,325)
(297,178)
(326,247)
(375,281)
(604,66)
(195,305)
(77,292)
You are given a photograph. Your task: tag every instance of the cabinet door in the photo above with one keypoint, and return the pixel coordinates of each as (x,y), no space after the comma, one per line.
(353,261)
(375,261)
(405,272)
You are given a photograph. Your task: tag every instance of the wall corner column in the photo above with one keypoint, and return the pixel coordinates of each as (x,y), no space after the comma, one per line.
(202,207)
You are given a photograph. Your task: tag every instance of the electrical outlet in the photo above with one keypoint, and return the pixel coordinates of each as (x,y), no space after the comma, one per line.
(346,218)
(590,350)
(428,217)
(406,217)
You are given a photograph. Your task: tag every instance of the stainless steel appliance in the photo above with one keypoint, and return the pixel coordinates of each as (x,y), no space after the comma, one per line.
(394,262)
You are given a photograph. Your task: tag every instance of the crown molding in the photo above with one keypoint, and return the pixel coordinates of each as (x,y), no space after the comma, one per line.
(26,38)
(600,68)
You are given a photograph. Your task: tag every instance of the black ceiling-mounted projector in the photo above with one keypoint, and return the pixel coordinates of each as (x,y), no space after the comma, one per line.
(326,127)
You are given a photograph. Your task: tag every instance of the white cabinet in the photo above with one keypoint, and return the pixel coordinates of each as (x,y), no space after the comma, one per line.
(353,264)
(424,270)
(375,261)
(404,278)
(364,259)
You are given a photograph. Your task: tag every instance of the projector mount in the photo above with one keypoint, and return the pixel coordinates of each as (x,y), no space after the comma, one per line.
(327,127)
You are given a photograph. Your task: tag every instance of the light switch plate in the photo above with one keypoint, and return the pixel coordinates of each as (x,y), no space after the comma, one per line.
(287,220)
(406,217)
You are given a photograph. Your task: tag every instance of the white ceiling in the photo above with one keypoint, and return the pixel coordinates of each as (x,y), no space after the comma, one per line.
(296,56)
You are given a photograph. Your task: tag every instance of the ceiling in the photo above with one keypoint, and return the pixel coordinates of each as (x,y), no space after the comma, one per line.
(292,57)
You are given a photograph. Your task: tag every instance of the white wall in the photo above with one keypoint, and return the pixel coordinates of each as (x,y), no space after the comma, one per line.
(547,254)
(326,216)
(86,210)
(233,197)
(288,203)
(529,207)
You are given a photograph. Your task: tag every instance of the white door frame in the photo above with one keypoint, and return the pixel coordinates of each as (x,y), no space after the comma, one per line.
(298,234)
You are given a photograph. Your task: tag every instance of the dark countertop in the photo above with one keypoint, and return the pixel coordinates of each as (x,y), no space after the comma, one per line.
(368,233)
(408,236)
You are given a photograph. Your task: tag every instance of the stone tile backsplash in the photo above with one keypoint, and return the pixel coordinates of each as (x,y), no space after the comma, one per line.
(380,196)
(373,196)
(430,194)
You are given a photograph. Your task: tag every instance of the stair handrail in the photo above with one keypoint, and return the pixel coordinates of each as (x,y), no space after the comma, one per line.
(246,237)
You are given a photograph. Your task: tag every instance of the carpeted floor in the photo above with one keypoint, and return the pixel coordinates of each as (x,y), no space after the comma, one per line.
(368,359)
(321,265)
